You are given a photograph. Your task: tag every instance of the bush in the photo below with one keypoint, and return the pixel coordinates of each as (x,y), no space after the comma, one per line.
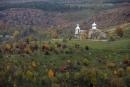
(85,62)
(86,48)
(111,38)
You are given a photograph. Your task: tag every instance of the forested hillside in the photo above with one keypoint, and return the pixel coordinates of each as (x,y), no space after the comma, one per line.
(40,5)
(63,14)
(111,17)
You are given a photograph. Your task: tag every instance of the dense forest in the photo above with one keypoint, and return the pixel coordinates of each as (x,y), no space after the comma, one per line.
(41,5)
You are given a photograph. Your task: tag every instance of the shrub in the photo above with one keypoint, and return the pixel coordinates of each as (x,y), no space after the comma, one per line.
(121,72)
(86,48)
(77,45)
(29,75)
(85,62)
(111,38)
(47,53)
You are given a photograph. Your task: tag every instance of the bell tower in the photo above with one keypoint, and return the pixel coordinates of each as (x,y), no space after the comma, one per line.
(94,26)
(77,31)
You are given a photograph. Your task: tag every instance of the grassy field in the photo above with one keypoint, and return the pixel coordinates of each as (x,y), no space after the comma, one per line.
(113,51)
(23,70)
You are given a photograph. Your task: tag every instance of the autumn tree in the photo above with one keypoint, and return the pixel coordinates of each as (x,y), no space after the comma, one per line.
(119,31)
(15,33)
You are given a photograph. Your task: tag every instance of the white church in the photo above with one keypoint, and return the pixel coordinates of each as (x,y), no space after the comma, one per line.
(92,33)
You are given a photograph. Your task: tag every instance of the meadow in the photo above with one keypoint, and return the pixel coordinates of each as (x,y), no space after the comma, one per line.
(67,63)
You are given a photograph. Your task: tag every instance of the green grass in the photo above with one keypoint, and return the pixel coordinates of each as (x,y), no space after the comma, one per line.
(113,51)
(119,44)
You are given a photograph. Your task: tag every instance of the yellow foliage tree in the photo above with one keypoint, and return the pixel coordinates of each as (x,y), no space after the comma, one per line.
(15,34)
(119,31)
(28,49)
(128,69)
(50,73)
(34,64)
(8,46)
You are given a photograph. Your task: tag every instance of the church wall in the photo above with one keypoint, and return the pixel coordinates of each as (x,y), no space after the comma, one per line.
(83,35)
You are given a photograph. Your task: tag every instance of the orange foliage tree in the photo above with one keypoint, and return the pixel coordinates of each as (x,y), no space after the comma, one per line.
(119,31)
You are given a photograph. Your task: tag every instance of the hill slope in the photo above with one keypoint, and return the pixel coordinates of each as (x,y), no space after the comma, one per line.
(44,18)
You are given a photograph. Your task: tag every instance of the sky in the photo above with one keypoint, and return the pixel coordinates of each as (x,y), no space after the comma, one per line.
(16,1)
